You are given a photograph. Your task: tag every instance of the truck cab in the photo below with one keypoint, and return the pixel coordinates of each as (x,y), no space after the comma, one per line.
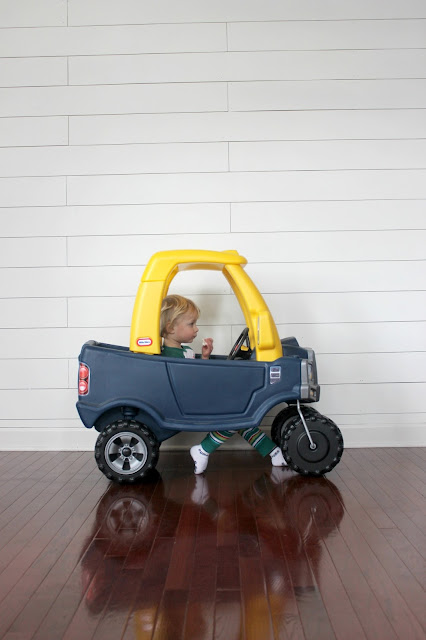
(136,398)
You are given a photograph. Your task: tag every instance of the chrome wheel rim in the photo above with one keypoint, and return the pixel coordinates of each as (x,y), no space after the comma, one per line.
(126,453)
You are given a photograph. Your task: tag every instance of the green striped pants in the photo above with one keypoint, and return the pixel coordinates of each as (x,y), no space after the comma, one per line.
(253,436)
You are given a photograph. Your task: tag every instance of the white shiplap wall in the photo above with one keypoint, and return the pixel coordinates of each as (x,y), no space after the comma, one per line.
(292,131)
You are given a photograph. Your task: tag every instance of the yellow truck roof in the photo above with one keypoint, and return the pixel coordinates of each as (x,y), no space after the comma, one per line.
(155,282)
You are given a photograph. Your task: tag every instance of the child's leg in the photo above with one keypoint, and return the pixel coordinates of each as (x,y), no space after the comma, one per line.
(263,445)
(200,452)
(214,439)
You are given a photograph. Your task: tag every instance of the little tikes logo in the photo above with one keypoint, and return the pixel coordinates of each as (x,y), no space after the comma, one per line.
(144,342)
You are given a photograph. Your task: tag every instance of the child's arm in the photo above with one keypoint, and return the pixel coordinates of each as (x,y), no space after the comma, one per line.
(207,348)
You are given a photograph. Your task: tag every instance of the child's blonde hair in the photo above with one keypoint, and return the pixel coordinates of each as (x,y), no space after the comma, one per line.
(172,308)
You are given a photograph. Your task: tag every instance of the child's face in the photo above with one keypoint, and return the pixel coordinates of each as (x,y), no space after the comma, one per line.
(185,328)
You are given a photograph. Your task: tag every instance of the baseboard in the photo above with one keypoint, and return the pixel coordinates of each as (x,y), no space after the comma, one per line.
(76,439)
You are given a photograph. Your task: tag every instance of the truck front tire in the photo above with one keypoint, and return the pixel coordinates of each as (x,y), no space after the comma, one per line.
(296,448)
(126,451)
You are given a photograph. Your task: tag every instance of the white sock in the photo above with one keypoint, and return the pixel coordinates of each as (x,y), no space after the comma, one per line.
(278,475)
(277,458)
(200,494)
(200,458)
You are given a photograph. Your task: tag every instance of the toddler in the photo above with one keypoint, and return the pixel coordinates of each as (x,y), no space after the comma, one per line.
(178,324)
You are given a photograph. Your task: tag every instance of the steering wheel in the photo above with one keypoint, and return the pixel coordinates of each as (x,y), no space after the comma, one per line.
(243,337)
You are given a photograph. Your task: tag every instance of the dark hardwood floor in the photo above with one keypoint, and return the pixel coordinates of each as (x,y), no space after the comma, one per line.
(241,553)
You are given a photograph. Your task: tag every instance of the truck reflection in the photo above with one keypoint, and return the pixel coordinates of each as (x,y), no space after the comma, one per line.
(125,562)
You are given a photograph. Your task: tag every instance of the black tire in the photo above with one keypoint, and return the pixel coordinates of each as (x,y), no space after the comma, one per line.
(126,451)
(296,448)
(284,416)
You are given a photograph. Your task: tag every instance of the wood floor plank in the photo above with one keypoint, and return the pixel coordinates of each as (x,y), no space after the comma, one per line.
(404,623)
(272,524)
(46,577)
(408,554)
(13,479)
(182,560)
(367,501)
(129,522)
(38,466)
(181,563)
(408,499)
(13,462)
(257,620)
(202,594)
(400,510)
(365,467)
(412,470)
(418,453)
(403,579)
(173,508)
(17,554)
(171,615)
(413,486)
(256,612)
(343,617)
(91,610)
(406,485)
(113,621)
(362,597)
(22,493)
(75,592)
(34,499)
(243,552)
(228,623)
(317,508)
(394,502)
(227,525)
(143,615)
(313,615)
(228,568)
(285,617)
(149,502)
(111,588)
(24,547)
(26,572)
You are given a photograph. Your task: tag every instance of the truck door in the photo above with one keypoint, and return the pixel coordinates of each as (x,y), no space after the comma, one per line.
(216,387)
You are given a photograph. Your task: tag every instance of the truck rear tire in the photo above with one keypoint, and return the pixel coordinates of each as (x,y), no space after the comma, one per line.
(126,451)
(296,447)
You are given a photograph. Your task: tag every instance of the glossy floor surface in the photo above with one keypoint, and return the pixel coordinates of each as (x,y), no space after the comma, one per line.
(242,552)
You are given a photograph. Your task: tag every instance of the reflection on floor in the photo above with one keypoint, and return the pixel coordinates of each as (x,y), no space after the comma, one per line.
(245,551)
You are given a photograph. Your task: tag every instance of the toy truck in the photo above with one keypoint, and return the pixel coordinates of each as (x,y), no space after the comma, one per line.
(136,398)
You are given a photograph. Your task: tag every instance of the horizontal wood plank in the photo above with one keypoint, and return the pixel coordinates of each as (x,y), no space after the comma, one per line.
(242,551)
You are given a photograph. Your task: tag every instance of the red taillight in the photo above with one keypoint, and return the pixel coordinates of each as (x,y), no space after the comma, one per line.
(83,387)
(83,379)
(84,372)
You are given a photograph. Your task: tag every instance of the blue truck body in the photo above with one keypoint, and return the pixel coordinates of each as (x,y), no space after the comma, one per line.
(169,395)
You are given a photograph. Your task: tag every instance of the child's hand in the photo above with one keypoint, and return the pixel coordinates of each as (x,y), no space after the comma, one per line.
(207,348)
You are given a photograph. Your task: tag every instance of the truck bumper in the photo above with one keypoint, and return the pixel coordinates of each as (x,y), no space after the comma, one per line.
(309,387)
(310,392)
